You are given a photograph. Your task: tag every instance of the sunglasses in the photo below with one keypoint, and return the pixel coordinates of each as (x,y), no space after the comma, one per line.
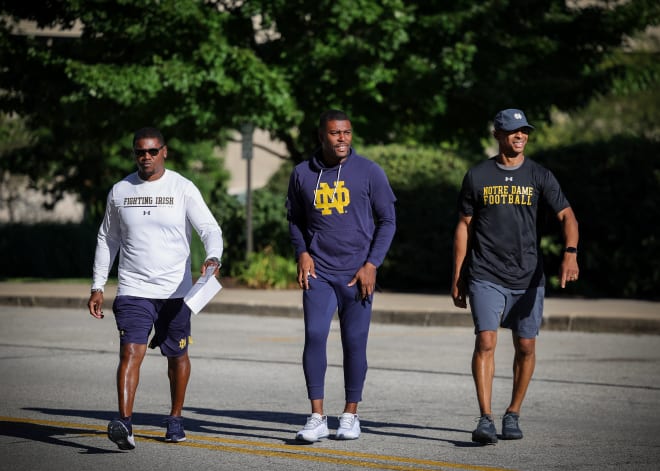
(152,152)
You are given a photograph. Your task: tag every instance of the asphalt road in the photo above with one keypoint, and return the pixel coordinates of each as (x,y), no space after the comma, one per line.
(594,403)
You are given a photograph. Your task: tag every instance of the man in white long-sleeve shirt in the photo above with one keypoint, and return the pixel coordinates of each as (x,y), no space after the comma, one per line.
(148,220)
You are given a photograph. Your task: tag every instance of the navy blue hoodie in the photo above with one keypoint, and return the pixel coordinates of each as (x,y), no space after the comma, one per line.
(343,216)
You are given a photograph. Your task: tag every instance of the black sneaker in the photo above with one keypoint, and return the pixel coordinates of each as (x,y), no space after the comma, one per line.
(510,428)
(485,432)
(175,431)
(121,433)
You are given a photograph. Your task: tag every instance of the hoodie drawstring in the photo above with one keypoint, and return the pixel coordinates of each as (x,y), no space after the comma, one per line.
(318,181)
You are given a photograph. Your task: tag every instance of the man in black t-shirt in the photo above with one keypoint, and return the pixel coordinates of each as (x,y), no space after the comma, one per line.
(497,263)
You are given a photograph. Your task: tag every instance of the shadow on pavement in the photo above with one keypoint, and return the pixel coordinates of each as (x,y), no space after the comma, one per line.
(228,423)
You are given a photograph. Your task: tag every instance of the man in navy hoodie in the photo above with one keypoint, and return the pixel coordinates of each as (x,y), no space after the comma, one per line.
(341,221)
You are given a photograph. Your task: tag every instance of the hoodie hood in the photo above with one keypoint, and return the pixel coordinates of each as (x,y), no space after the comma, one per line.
(317,164)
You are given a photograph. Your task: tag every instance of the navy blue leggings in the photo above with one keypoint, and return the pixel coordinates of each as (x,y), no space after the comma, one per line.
(327,294)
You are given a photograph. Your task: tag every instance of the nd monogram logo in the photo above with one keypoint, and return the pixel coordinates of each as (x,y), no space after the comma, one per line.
(328,198)
(182,343)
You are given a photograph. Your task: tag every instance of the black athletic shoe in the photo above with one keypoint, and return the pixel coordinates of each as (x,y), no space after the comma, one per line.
(122,434)
(485,432)
(175,431)
(510,428)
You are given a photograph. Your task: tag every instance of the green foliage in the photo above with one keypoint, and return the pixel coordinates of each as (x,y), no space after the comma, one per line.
(230,214)
(609,184)
(412,73)
(198,162)
(170,64)
(269,219)
(406,71)
(279,181)
(629,109)
(612,186)
(425,182)
(601,178)
(13,134)
(265,269)
(197,254)
(270,230)
(465,60)
(47,250)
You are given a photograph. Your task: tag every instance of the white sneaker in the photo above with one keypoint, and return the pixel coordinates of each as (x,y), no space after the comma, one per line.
(349,427)
(315,428)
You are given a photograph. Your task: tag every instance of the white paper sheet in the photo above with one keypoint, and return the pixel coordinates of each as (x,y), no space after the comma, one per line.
(203,291)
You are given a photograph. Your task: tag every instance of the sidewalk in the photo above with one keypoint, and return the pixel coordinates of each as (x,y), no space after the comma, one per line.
(585,315)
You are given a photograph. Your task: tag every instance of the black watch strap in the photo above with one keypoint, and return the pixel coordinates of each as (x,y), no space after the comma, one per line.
(570,250)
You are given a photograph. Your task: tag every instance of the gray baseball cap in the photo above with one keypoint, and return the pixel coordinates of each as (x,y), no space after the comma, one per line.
(510,120)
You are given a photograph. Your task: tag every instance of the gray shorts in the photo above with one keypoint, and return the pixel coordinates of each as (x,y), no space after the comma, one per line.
(494,306)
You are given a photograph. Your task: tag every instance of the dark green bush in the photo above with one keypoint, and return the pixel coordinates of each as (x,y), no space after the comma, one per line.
(265,269)
(47,250)
(425,182)
(269,227)
(613,187)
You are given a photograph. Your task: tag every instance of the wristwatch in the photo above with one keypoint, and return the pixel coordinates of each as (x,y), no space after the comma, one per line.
(96,290)
(570,250)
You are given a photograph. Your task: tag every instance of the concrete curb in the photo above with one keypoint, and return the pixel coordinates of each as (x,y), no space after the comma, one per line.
(644,323)
(572,323)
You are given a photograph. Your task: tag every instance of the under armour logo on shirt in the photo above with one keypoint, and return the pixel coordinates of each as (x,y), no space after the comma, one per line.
(508,179)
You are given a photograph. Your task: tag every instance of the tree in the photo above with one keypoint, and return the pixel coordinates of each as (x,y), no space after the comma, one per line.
(135,63)
(406,71)
(435,71)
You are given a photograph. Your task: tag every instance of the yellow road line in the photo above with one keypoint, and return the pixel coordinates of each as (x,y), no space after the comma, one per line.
(297,452)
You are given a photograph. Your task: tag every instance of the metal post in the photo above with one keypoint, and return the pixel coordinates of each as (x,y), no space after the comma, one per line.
(247,131)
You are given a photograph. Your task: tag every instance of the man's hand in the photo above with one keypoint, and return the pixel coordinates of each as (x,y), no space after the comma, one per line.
(211,262)
(459,294)
(95,304)
(365,279)
(305,270)
(569,270)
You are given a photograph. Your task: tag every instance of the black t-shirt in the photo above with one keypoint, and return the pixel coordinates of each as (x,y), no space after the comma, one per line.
(504,205)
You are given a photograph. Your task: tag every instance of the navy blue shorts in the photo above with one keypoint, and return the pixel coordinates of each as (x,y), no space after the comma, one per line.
(520,310)
(170,318)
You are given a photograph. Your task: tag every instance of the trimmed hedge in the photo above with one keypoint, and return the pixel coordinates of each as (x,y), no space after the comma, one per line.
(425,182)
(47,250)
(612,186)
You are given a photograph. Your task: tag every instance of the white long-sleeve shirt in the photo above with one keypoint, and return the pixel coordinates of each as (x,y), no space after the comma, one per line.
(149,223)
